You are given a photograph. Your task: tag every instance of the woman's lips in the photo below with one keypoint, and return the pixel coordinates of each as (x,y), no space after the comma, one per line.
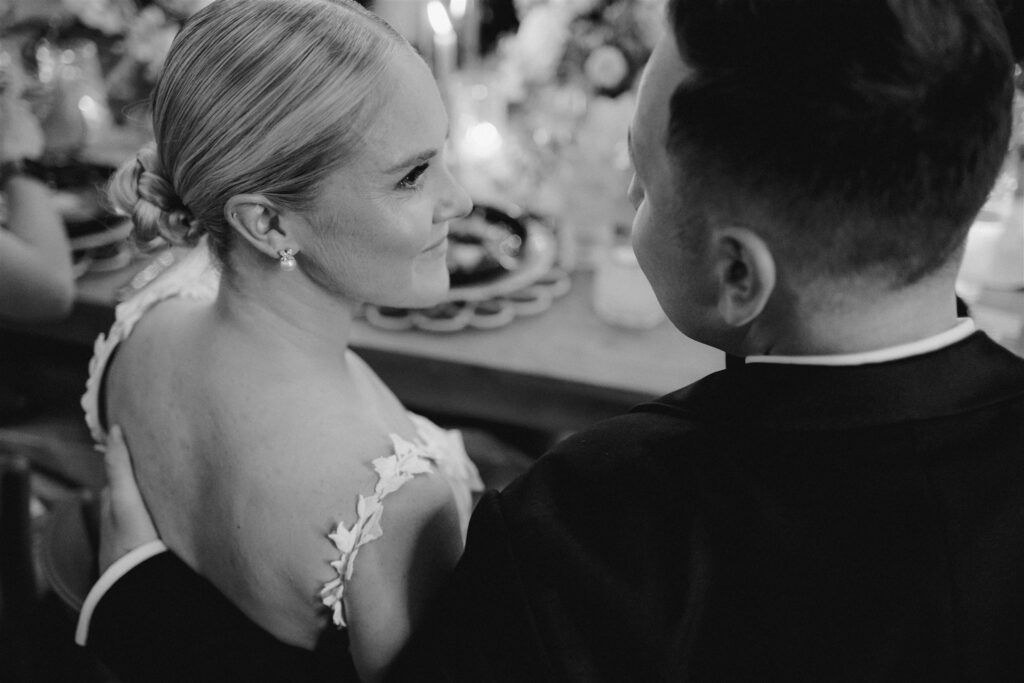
(437,246)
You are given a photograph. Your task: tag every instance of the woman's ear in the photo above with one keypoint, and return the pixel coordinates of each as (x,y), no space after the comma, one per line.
(744,270)
(259,223)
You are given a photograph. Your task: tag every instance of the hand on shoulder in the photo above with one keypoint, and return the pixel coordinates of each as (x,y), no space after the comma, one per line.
(125,521)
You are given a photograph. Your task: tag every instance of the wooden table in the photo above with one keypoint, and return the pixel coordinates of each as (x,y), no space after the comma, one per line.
(555,372)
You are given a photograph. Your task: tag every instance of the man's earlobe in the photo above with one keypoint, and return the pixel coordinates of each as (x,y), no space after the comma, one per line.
(745,270)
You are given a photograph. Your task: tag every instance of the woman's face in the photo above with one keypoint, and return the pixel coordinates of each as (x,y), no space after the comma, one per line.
(380,229)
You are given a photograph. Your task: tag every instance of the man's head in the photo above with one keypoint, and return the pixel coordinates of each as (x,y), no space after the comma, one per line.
(853,141)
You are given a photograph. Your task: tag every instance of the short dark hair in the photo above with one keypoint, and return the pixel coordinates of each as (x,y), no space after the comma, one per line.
(1013,17)
(869,131)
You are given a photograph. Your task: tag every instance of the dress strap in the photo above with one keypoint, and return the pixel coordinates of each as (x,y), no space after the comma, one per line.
(448,451)
(407,460)
(193,276)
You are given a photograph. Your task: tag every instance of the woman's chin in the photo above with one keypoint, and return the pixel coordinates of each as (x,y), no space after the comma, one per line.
(423,294)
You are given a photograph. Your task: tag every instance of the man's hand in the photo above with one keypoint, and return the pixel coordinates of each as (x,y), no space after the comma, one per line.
(125,523)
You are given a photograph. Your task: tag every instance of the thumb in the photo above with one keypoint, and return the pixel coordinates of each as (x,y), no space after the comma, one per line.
(125,522)
(117,460)
(125,498)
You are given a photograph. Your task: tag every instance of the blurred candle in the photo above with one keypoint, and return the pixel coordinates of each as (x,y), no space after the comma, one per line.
(622,296)
(445,50)
(466,16)
(457,9)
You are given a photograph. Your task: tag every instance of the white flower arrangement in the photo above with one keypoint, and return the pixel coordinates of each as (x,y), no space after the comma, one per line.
(569,74)
(603,44)
(144,30)
(149,39)
(109,16)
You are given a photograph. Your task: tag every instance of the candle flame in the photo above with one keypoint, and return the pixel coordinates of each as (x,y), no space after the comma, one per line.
(89,108)
(483,139)
(440,22)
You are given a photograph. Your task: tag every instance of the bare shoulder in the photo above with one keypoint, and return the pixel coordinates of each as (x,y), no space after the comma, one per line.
(308,470)
(420,523)
(158,344)
(311,450)
(396,577)
(147,387)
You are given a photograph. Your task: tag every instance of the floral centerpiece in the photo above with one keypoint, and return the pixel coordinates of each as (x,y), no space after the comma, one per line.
(137,35)
(93,61)
(571,71)
(600,45)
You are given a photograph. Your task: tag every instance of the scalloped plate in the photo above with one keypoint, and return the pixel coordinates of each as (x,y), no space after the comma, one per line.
(536,258)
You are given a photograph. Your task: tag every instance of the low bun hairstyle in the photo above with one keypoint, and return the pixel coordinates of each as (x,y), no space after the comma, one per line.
(139,189)
(264,97)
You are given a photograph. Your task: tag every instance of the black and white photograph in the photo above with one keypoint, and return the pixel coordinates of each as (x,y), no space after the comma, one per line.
(511,341)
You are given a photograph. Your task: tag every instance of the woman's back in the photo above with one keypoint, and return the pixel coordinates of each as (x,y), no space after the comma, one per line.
(249,454)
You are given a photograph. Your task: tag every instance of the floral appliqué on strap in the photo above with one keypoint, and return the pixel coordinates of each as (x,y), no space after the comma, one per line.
(408,460)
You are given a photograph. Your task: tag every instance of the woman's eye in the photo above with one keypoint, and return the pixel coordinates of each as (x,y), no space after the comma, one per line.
(410,180)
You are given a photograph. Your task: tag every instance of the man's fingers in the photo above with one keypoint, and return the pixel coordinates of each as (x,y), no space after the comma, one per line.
(124,495)
(117,460)
(124,520)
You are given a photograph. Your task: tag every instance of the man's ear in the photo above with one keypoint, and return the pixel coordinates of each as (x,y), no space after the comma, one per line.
(259,223)
(744,270)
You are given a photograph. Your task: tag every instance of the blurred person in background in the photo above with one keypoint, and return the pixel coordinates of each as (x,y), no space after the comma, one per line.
(36,282)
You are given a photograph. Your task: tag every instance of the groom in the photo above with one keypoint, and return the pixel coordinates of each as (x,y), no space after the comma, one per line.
(849,503)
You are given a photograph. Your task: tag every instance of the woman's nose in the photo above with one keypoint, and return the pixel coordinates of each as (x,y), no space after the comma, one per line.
(456,202)
(634,194)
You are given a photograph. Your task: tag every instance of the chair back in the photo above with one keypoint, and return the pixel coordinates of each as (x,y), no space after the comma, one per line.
(69,550)
(19,589)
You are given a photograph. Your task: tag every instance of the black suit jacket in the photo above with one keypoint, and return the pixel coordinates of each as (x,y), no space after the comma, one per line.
(770,522)
(162,622)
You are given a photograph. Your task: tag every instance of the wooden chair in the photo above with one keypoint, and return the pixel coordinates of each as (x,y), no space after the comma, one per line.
(45,573)
(19,589)
(69,549)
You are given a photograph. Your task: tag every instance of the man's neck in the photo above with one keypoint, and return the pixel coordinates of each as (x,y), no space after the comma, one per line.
(864,320)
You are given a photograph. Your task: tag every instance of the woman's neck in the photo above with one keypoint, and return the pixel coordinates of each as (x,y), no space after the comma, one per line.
(285,310)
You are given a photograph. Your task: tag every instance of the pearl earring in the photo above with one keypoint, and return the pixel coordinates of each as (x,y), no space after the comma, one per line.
(287,259)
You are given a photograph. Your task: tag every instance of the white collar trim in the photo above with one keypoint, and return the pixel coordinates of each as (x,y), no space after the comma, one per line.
(963,329)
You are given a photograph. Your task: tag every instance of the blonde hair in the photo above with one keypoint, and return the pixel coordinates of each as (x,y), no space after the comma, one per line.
(256,97)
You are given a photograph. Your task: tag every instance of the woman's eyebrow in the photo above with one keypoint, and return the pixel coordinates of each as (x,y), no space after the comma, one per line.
(414,160)
(417,159)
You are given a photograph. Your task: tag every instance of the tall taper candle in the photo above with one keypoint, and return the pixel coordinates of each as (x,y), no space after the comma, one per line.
(445,50)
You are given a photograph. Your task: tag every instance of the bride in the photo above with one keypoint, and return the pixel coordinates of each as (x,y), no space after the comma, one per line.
(300,146)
